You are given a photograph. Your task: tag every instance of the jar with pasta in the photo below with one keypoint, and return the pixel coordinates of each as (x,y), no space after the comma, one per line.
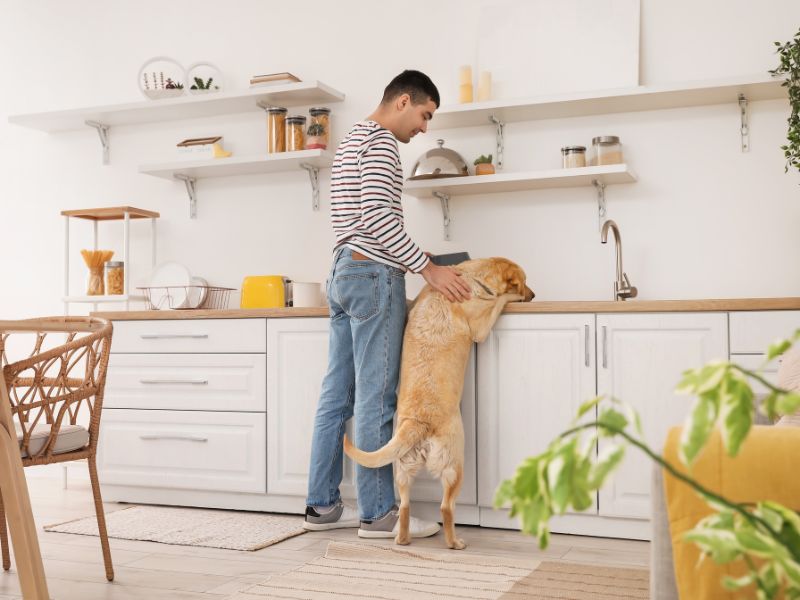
(295,134)
(115,277)
(276,129)
(319,124)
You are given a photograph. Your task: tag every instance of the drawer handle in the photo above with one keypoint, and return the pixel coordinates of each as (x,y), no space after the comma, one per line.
(586,345)
(175,381)
(173,436)
(605,347)
(172,336)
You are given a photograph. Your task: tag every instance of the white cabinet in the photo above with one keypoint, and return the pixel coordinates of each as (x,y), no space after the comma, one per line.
(534,371)
(640,361)
(753,331)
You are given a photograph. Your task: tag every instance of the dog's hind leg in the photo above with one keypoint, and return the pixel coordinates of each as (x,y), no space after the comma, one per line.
(452,477)
(403,479)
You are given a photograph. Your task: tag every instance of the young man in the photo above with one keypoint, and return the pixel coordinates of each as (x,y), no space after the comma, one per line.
(367,298)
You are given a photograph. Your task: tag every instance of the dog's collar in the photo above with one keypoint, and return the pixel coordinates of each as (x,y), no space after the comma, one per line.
(484,286)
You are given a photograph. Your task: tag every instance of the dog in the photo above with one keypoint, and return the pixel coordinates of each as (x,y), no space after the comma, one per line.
(436,346)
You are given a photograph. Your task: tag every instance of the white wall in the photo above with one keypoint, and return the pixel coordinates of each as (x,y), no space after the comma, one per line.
(703,221)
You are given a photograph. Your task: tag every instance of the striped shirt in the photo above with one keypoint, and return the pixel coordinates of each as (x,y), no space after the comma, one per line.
(366,186)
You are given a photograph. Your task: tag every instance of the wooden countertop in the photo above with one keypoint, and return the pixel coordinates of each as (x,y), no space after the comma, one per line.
(630,306)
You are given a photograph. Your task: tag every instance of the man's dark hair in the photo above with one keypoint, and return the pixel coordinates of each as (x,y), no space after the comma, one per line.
(414,83)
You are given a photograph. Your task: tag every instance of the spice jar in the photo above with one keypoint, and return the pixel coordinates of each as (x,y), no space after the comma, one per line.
(115,277)
(321,117)
(295,138)
(276,129)
(573,156)
(607,150)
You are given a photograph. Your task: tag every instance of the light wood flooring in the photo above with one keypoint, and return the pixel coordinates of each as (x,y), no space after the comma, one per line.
(148,570)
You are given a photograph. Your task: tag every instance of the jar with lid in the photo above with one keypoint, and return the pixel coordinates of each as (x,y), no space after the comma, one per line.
(115,277)
(607,150)
(276,129)
(295,136)
(319,124)
(573,156)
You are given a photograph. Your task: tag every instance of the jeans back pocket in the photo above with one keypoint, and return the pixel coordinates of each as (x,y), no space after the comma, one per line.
(358,294)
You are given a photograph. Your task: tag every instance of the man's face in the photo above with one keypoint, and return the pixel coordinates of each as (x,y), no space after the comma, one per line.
(413,117)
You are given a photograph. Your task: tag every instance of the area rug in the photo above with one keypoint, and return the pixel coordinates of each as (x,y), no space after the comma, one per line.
(228,529)
(350,570)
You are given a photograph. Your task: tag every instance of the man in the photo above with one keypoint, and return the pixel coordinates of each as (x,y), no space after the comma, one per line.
(367,298)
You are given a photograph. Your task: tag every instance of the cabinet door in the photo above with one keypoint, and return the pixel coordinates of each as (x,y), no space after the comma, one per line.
(534,371)
(297,359)
(640,361)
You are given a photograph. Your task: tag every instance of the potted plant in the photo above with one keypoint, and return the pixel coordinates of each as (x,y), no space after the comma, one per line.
(315,137)
(789,54)
(483,165)
(203,86)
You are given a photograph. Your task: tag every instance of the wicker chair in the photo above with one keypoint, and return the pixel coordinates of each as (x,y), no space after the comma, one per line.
(62,376)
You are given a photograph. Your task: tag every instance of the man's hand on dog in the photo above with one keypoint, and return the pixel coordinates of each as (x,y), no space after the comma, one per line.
(448,281)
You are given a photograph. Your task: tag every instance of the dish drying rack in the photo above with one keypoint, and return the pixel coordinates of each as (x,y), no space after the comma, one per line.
(181,297)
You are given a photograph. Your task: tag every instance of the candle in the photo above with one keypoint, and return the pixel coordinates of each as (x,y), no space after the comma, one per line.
(465,84)
(485,86)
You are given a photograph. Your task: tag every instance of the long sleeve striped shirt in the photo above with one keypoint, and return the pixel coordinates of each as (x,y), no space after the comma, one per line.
(366,188)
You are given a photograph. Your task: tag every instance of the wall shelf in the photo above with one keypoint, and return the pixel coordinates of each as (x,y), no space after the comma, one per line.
(443,189)
(190,171)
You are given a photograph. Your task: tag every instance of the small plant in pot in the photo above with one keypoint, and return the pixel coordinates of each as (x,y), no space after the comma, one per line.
(483,165)
(789,55)
(315,137)
(200,86)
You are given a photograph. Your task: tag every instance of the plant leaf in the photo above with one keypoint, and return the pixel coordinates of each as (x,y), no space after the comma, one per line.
(697,428)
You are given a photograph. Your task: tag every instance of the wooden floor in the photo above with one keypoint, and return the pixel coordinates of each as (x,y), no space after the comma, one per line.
(148,570)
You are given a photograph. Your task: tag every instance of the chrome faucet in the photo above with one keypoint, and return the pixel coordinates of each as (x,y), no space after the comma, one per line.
(622,286)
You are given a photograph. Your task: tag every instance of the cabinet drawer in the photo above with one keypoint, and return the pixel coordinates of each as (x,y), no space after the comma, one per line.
(752,332)
(753,362)
(184,450)
(190,335)
(203,382)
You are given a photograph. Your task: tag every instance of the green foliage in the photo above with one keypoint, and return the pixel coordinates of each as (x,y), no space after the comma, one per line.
(789,54)
(564,476)
(199,84)
(482,159)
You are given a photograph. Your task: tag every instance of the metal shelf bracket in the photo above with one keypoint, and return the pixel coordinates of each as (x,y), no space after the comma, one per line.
(103,132)
(191,189)
(745,128)
(500,142)
(601,201)
(444,199)
(313,175)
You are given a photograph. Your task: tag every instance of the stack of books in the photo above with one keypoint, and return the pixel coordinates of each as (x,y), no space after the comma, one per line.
(272,78)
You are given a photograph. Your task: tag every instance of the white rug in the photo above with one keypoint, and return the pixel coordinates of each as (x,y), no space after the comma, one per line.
(229,529)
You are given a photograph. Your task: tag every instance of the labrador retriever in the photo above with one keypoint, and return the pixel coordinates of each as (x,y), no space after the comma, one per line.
(436,346)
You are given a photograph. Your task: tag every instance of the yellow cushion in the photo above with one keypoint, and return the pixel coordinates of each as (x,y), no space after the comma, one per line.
(765,469)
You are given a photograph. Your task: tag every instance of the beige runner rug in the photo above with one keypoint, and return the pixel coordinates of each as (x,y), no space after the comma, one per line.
(234,530)
(351,570)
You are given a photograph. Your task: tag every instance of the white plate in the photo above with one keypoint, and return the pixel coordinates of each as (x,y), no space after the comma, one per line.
(197,293)
(169,274)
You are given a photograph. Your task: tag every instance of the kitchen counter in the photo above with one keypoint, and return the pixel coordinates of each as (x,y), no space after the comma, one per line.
(583,306)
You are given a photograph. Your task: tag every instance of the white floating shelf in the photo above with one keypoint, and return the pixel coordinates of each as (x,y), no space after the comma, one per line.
(655,97)
(103,299)
(239,165)
(520,181)
(185,107)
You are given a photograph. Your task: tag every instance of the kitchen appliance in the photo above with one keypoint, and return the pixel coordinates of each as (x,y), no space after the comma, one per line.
(453,258)
(266,291)
(306,294)
(440,162)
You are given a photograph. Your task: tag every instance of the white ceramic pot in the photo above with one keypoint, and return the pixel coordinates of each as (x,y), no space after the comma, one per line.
(306,294)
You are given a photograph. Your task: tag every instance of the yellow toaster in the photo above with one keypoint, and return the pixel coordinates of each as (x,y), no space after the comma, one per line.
(266,291)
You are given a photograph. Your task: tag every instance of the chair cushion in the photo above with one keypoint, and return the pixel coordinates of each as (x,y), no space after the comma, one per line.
(70,437)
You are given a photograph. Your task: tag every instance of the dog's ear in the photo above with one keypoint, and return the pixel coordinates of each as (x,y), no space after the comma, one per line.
(513,279)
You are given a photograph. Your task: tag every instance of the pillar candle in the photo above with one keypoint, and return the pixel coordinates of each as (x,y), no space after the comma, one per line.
(485,86)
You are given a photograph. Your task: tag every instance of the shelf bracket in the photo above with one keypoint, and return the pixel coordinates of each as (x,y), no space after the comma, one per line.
(745,128)
(500,142)
(601,200)
(191,189)
(444,199)
(103,132)
(313,175)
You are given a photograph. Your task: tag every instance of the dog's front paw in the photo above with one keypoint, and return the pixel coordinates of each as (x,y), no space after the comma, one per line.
(457,544)
(402,540)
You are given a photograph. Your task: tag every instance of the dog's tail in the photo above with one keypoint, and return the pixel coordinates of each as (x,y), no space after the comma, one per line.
(408,435)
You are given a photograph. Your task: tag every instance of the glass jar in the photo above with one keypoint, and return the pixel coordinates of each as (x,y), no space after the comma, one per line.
(573,156)
(115,277)
(295,137)
(276,129)
(94,281)
(607,150)
(318,137)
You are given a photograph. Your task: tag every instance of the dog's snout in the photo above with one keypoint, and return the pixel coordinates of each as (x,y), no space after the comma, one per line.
(529,295)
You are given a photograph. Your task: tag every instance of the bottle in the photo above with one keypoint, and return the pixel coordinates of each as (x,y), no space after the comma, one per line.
(115,277)
(276,129)
(295,136)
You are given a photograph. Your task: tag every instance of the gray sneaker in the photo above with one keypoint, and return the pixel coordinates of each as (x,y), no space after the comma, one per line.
(388,526)
(338,517)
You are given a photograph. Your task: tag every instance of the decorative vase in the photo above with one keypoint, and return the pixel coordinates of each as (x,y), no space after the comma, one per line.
(484,169)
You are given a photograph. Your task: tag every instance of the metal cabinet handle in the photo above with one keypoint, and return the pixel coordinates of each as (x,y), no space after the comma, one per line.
(605,347)
(175,381)
(172,336)
(586,345)
(173,436)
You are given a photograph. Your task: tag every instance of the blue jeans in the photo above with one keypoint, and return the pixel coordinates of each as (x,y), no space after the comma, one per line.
(368,312)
